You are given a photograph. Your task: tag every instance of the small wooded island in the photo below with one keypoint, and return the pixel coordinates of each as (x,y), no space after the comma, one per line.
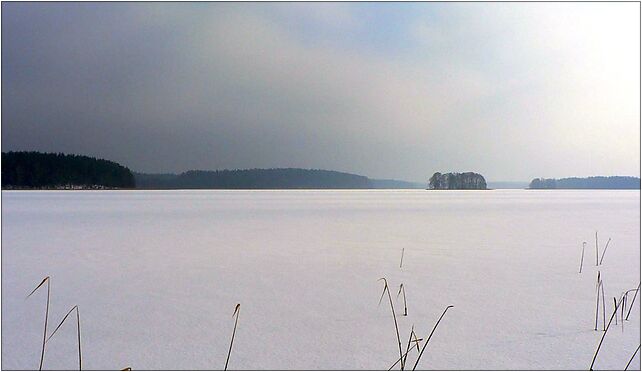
(457,181)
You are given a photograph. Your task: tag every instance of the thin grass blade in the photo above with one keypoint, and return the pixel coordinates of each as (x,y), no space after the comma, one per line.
(412,330)
(385,287)
(633,302)
(604,251)
(44,333)
(602,339)
(39,285)
(394,317)
(430,336)
(632,356)
(237,311)
(79,342)
(600,288)
(582,259)
(61,322)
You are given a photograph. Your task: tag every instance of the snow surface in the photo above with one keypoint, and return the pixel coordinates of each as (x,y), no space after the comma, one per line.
(156,275)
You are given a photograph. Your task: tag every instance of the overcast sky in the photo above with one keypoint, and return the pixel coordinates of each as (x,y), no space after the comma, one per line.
(387,90)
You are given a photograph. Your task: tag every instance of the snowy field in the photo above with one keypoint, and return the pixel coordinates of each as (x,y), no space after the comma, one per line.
(156,275)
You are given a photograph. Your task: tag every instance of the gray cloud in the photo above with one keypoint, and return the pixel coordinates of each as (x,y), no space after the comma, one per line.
(513,91)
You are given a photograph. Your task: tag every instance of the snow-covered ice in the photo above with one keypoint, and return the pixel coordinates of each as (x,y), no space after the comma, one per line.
(156,275)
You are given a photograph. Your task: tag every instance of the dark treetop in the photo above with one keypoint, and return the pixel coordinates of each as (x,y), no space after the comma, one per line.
(47,170)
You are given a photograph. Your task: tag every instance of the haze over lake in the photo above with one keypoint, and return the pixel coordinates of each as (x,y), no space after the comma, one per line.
(399,90)
(156,275)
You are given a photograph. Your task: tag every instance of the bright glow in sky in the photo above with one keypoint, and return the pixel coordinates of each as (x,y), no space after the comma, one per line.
(388,90)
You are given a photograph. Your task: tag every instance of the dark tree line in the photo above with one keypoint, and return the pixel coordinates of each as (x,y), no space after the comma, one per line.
(600,182)
(48,170)
(277,178)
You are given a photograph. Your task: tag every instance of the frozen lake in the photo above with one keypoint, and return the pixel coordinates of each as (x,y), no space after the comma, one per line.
(156,276)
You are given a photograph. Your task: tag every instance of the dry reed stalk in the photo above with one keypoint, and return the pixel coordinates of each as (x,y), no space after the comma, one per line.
(622,308)
(412,331)
(417,340)
(604,251)
(597,304)
(600,288)
(430,336)
(402,290)
(44,336)
(394,317)
(603,306)
(78,331)
(615,307)
(582,259)
(632,302)
(627,294)
(237,311)
(632,356)
(603,335)
(399,359)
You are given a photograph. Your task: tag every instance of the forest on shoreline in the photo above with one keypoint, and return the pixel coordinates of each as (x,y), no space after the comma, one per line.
(598,182)
(36,170)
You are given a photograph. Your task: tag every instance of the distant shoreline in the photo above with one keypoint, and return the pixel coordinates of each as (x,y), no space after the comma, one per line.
(295,189)
(586,183)
(49,171)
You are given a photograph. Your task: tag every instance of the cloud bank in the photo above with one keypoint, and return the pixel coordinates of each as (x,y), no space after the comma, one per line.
(513,91)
